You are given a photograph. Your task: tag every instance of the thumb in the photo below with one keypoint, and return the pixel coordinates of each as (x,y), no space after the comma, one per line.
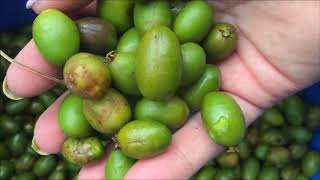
(62,5)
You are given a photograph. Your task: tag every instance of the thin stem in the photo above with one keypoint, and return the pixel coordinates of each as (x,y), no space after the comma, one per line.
(114,139)
(110,56)
(5,56)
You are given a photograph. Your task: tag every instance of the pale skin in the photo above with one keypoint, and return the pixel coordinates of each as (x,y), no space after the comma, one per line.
(277,55)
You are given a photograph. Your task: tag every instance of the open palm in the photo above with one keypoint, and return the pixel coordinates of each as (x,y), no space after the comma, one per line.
(277,55)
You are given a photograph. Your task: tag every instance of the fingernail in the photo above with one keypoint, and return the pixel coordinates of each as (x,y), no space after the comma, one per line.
(37,149)
(6,91)
(30,3)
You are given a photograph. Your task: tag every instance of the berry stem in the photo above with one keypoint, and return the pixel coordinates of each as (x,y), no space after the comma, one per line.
(114,139)
(5,56)
(110,56)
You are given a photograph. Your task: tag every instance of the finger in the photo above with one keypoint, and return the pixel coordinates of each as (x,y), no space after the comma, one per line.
(190,149)
(260,82)
(89,10)
(95,170)
(62,5)
(27,84)
(47,133)
(225,5)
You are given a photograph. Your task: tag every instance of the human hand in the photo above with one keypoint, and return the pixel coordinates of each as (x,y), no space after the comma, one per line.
(276,56)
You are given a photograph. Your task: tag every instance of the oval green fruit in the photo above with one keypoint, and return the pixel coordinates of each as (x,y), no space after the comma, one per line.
(28,128)
(96,36)
(206,173)
(122,69)
(36,107)
(17,107)
(209,81)
(194,63)
(172,112)
(298,151)
(6,169)
(61,166)
(193,22)
(302,177)
(298,134)
(252,135)
(261,151)
(244,150)
(273,117)
(220,42)
(57,175)
(118,165)
(8,125)
(289,172)
(140,139)
(87,75)
(273,137)
(119,13)
(47,98)
(82,151)
(269,173)
(159,64)
(56,36)
(150,14)
(278,156)
(45,165)
(25,162)
(129,42)
(24,176)
(226,174)
(108,114)
(313,117)
(228,159)
(223,119)
(250,169)
(294,110)
(17,144)
(72,121)
(311,163)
